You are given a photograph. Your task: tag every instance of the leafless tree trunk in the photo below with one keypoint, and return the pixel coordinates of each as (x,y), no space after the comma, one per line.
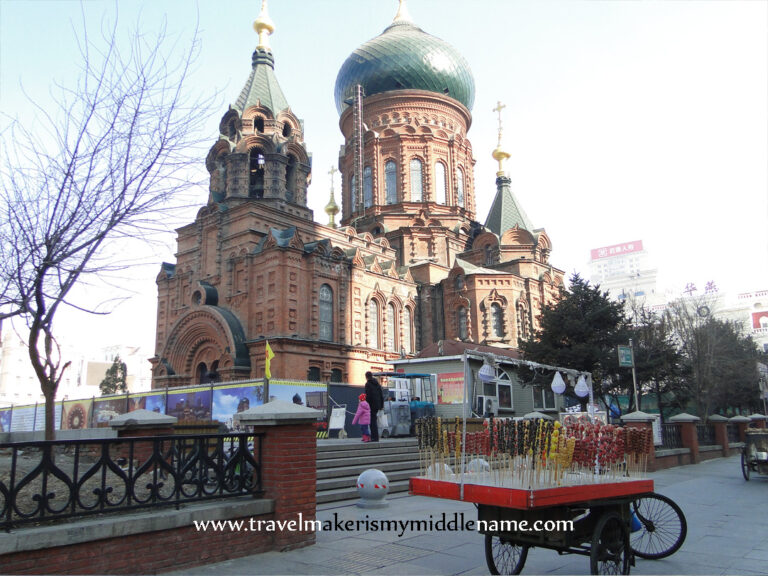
(102,162)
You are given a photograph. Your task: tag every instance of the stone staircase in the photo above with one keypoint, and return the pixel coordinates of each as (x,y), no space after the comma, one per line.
(340,462)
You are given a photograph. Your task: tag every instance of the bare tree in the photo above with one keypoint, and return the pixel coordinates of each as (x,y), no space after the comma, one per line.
(102,162)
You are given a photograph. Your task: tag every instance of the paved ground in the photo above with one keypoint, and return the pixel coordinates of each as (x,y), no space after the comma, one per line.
(727,534)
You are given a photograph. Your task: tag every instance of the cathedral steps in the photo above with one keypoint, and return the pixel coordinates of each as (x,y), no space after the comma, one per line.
(340,462)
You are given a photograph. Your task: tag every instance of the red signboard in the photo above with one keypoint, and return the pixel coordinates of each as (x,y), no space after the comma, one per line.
(450,388)
(617,249)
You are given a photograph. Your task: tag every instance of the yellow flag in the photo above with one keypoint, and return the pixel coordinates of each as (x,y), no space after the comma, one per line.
(269,355)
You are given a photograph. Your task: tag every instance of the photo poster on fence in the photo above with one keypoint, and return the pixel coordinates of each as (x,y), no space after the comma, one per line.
(5,419)
(23,418)
(189,404)
(235,398)
(108,407)
(450,388)
(76,414)
(152,401)
(309,394)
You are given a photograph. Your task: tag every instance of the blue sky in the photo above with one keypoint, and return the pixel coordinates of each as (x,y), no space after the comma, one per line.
(625,120)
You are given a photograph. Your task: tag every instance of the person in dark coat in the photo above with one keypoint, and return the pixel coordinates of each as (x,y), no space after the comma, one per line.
(375,397)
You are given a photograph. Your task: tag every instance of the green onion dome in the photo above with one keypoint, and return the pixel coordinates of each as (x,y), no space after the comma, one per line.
(404,57)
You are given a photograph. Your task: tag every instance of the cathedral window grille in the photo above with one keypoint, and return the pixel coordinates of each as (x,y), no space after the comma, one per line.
(462,321)
(390,176)
(326,313)
(489,260)
(352,194)
(416,180)
(368,186)
(391,327)
(460,187)
(373,324)
(407,331)
(497,320)
(256,168)
(440,183)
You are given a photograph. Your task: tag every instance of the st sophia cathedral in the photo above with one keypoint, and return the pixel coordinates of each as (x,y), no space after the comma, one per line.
(408,267)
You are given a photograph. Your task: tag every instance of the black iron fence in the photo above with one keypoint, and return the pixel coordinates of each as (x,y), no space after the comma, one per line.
(706,434)
(733,433)
(670,436)
(49,480)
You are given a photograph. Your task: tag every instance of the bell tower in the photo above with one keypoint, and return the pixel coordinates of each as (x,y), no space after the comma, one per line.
(260,154)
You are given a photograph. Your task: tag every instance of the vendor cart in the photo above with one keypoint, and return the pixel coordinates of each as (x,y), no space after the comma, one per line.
(754,455)
(591,519)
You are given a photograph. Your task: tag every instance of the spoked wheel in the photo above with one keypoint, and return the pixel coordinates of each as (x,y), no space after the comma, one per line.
(663,528)
(504,556)
(610,552)
(745,466)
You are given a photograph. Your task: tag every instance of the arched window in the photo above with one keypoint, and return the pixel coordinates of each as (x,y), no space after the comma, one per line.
(313,375)
(373,324)
(368,186)
(336,375)
(497,320)
(258,123)
(390,176)
(460,187)
(352,194)
(326,312)
(489,260)
(290,179)
(416,181)
(462,321)
(391,327)
(407,331)
(440,183)
(256,169)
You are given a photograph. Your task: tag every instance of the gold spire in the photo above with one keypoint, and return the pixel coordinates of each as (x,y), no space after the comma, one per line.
(264,27)
(402,13)
(499,154)
(332,208)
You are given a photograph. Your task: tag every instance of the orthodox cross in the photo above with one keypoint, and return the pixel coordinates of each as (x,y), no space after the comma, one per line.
(498,109)
(332,172)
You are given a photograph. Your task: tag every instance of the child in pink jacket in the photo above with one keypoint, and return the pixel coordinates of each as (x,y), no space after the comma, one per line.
(363,418)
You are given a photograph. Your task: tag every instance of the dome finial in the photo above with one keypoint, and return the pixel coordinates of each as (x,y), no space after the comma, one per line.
(499,154)
(402,13)
(264,27)
(332,208)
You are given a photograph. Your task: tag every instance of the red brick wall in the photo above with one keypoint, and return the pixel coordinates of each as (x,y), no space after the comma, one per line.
(146,553)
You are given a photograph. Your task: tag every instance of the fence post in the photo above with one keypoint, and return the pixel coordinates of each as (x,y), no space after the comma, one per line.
(758,420)
(742,422)
(688,434)
(720,426)
(288,465)
(642,420)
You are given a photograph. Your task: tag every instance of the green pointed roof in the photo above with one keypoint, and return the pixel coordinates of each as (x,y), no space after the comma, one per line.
(262,86)
(506,212)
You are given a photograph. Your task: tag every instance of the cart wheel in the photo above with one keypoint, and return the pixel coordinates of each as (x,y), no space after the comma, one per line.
(745,466)
(342,434)
(663,527)
(504,556)
(610,552)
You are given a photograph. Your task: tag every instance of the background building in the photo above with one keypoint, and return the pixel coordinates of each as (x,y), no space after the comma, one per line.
(626,272)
